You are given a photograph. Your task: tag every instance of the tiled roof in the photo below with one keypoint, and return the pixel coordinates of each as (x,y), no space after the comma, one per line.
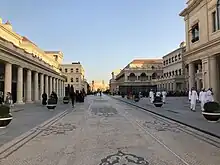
(146,61)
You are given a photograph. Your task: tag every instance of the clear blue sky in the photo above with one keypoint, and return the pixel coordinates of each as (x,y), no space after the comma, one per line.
(103,35)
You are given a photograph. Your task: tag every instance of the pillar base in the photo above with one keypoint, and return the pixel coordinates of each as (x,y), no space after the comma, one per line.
(19,103)
(29,101)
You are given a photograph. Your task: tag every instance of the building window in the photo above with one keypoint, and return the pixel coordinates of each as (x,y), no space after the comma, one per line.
(77,70)
(169,60)
(195,32)
(176,72)
(66,70)
(66,80)
(71,79)
(179,56)
(77,79)
(71,70)
(61,69)
(218,14)
(166,61)
(214,21)
(176,58)
(180,72)
(172,73)
(172,59)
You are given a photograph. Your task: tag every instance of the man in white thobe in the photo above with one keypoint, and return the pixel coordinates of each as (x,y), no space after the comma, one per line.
(202,98)
(193,98)
(209,95)
(164,94)
(190,91)
(151,95)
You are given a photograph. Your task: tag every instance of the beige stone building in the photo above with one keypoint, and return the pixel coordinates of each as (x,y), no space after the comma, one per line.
(113,84)
(137,76)
(173,78)
(202,29)
(75,75)
(26,70)
(98,85)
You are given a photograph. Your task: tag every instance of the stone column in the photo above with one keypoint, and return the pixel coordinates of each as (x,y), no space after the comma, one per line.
(50,82)
(20,86)
(29,89)
(46,85)
(8,79)
(41,85)
(213,77)
(191,75)
(58,92)
(60,88)
(54,84)
(36,89)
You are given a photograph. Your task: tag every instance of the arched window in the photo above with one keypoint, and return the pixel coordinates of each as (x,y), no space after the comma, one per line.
(218,14)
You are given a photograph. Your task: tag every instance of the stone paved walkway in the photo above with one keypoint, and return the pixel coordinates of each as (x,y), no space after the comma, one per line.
(29,117)
(177,108)
(104,131)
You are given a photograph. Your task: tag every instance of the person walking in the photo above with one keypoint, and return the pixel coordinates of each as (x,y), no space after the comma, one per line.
(72,96)
(193,98)
(202,98)
(164,94)
(151,95)
(44,98)
(209,95)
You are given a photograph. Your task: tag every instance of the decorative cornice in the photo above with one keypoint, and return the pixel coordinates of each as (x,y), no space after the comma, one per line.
(189,8)
(19,57)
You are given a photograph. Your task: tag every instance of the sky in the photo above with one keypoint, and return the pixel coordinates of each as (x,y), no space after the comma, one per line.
(104,35)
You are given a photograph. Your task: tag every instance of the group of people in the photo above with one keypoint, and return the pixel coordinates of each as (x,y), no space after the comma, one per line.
(77,97)
(8,100)
(204,97)
(162,94)
(52,95)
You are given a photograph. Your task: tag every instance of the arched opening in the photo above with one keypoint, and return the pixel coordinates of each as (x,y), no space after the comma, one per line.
(154,75)
(132,77)
(143,77)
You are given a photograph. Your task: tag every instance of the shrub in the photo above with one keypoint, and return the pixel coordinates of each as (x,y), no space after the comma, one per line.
(212,107)
(4,111)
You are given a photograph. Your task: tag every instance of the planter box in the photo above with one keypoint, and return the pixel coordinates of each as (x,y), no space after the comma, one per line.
(5,121)
(158,104)
(51,106)
(136,99)
(211,117)
(65,101)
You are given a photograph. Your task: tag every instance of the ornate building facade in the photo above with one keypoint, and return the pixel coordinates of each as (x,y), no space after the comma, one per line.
(75,76)
(137,76)
(27,71)
(173,78)
(202,56)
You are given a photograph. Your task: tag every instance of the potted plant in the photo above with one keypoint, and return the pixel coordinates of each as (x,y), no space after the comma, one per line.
(136,98)
(158,101)
(211,111)
(123,95)
(5,116)
(51,103)
(65,100)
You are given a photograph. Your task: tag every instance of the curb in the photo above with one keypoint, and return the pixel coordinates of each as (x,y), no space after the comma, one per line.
(17,110)
(170,118)
(12,146)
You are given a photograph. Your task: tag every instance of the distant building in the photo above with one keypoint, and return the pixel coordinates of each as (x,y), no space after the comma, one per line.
(137,76)
(173,78)
(98,85)
(113,84)
(75,76)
